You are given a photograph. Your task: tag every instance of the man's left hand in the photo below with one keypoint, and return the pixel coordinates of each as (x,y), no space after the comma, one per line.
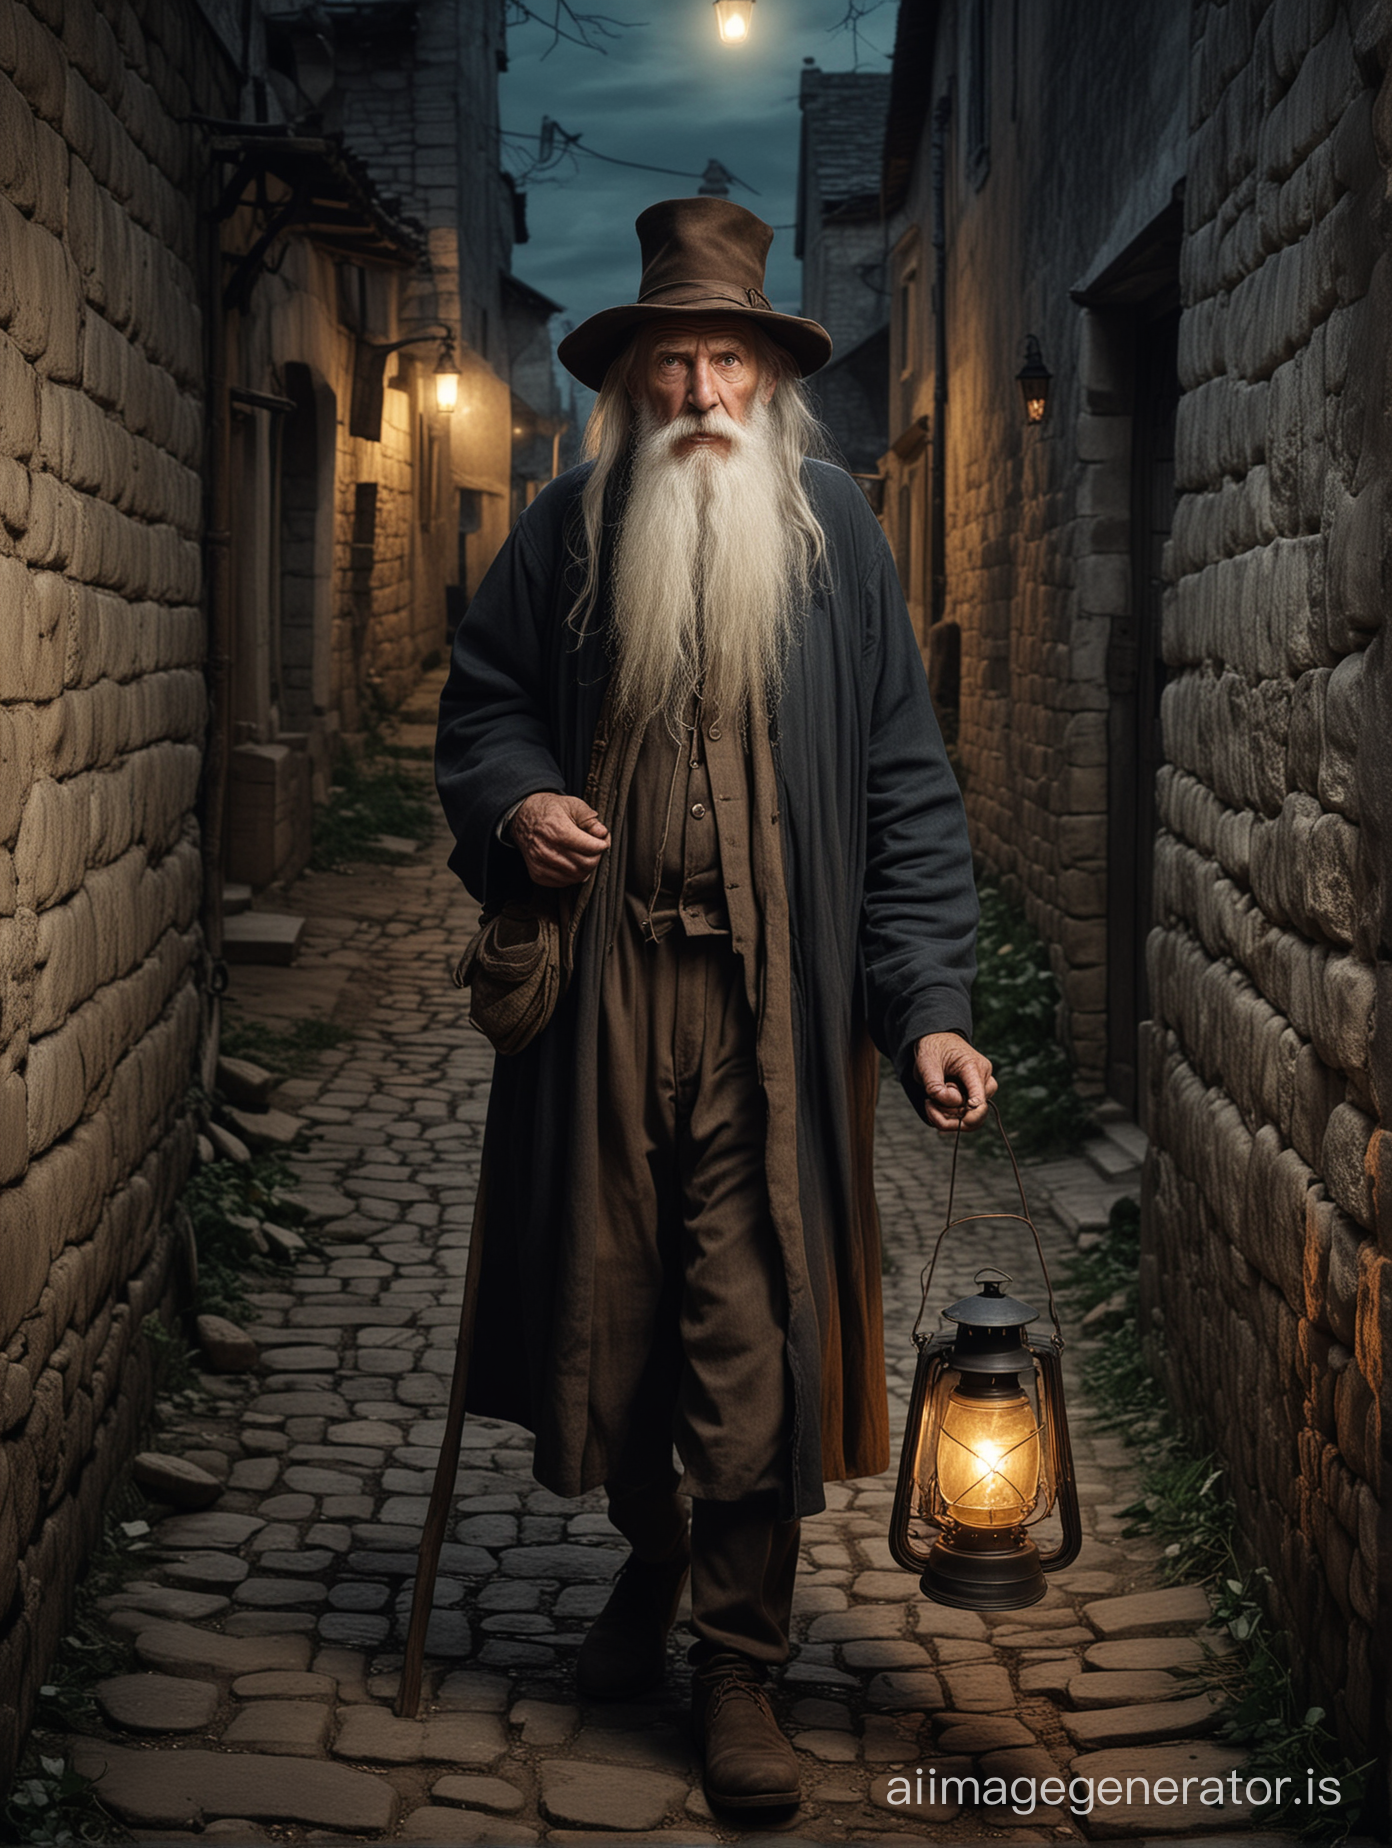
(953,1073)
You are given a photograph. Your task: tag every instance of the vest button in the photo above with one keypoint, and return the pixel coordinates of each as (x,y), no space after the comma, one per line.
(698,809)
(714,731)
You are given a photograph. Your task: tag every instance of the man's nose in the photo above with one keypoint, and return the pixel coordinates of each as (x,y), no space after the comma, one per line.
(701,394)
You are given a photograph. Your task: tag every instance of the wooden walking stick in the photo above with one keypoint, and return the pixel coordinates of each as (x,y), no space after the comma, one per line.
(442,1493)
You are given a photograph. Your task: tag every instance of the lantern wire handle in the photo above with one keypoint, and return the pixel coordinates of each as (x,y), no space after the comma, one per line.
(949,1224)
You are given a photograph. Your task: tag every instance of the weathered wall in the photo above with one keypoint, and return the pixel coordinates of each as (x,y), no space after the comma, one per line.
(101,719)
(1085,114)
(1269,1223)
(440,154)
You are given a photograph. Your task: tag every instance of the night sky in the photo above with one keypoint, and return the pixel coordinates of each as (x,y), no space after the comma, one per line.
(667,92)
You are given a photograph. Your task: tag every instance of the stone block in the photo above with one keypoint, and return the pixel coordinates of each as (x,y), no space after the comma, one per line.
(33,632)
(1147,1794)
(1344,1164)
(270,813)
(299,1727)
(1142,1611)
(157,1703)
(39,67)
(174,1479)
(1337,784)
(180,1649)
(189,1788)
(590,1796)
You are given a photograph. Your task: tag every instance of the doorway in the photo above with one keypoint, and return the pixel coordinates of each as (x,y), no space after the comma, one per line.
(1135,682)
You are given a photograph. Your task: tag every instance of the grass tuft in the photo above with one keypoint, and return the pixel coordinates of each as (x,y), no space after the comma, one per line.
(374,793)
(287,1051)
(226,1200)
(1015,1004)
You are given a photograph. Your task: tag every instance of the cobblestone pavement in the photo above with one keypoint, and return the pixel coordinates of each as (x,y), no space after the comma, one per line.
(268,1628)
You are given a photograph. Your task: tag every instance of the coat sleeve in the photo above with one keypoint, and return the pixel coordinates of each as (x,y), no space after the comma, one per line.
(494,744)
(919,916)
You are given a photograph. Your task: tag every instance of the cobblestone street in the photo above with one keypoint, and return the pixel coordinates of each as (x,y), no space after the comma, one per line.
(268,1627)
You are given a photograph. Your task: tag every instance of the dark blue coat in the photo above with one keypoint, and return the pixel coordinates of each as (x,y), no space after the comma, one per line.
(882,920)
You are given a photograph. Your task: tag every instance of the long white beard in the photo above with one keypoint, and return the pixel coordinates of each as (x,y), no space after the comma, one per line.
(709,572)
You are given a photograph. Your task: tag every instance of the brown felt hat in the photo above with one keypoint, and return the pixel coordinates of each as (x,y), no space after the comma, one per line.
(700,256)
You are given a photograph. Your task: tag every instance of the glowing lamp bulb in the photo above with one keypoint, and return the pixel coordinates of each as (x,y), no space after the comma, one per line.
(988,1459)
(446,377)
(733,19)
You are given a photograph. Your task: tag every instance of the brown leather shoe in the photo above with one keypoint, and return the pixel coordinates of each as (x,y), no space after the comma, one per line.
(749,1762)
(625,1652)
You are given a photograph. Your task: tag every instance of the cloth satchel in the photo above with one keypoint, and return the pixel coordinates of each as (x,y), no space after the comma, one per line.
(516,967)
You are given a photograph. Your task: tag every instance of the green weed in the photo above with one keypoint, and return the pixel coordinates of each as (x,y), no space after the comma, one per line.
(175,1375)
(1015,1010)
(287,1051)
(51,1806)
(1184,1505)
(373,794)
(226,1200)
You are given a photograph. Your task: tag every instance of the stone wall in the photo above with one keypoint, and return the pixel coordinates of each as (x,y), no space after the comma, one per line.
(1085,130)
(1268,1231)
(101,724)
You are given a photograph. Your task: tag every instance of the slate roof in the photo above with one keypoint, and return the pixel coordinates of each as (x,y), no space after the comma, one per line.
(843,117)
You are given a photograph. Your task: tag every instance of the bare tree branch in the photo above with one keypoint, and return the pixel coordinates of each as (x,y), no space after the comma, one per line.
(853,20)
(562,21)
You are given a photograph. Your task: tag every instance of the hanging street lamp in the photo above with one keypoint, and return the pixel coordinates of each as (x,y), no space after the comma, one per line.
(1034,379)
(733,20)
(986,1453)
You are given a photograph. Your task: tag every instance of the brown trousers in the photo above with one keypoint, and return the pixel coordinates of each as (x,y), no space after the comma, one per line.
(689,1329)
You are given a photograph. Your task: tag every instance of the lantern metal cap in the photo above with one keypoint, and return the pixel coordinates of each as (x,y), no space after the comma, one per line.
(991,1309)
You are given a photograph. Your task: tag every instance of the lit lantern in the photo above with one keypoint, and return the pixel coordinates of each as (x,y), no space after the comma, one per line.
(733,20)
(985,1457)
(1034,379)
(446,376)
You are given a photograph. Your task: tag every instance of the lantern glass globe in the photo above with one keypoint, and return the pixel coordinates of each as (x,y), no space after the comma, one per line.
(446,391)
(733,20)
(988,1460)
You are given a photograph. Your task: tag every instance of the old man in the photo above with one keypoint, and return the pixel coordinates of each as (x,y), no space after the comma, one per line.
(688,697)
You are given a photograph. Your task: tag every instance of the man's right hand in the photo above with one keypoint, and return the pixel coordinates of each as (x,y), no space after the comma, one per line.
(559,837)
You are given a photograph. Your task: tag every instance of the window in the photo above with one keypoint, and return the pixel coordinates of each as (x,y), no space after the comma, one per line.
(905,320)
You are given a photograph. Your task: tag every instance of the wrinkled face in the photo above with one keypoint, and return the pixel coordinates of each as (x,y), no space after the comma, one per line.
(693,368)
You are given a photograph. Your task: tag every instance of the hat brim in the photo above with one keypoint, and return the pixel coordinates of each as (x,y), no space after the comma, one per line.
(590,349)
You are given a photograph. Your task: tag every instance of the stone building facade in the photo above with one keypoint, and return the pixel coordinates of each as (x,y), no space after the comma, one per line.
(102,714)
(229,513)
(1161,612)
(360,511)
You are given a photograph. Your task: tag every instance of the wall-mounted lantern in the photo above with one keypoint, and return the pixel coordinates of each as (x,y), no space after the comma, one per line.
(369,375)
(734,20)
(446,376)
(986,1453)
(1034,379)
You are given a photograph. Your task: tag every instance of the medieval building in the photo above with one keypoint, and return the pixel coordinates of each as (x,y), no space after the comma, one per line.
(238,246)
(1157,602)
(843,240)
